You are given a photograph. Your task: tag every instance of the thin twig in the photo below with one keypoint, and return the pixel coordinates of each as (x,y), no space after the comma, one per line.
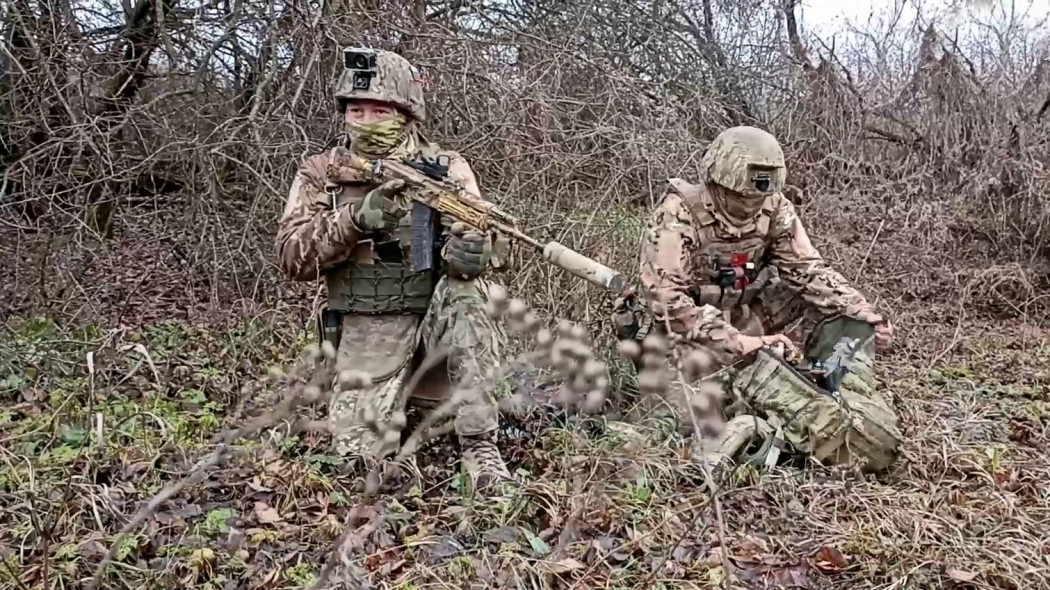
(864,261)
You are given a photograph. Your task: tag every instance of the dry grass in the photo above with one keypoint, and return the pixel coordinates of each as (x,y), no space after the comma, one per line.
(966,505)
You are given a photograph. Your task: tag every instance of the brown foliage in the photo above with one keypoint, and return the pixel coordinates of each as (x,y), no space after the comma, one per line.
(177,126)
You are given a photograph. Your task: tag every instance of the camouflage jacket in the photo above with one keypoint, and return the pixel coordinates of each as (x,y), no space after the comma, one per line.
(313,236)
(677,251)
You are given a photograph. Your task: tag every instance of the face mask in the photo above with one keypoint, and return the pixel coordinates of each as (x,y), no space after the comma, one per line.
(378,139)
(737,208)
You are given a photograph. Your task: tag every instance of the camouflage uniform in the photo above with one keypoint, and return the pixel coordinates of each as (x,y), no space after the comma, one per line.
(388,315)
(730,257)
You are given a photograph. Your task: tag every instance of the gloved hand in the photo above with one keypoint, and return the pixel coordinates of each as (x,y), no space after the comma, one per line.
(378,212)
(627,316)
(468,252)
(748,344)
(883,328)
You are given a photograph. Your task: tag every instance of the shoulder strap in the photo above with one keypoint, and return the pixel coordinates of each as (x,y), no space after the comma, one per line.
(764,223)
(696,199)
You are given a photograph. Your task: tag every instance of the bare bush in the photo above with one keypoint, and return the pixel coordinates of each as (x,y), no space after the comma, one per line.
(174,127)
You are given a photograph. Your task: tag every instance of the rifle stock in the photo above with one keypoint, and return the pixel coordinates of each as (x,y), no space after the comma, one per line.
(452,199)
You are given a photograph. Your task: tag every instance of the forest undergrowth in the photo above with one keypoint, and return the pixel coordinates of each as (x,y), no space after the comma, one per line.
(148,439)
(101,412)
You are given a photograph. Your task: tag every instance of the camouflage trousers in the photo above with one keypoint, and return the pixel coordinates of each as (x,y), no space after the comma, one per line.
(455,329)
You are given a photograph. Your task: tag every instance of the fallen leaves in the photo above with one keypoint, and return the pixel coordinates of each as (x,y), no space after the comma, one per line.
(502,535)
(539,546)
(756,562)
(265,514)
(830,559)
(202,557)
(561,566)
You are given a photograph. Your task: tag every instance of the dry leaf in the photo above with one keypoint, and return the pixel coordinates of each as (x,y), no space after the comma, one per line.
(265,514)
(561,566)
(504,534)
(958,575)
(256,485)
(202,556)
(717,576)
(830,559)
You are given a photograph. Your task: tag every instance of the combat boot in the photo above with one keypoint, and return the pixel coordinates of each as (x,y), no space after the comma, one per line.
(481,459)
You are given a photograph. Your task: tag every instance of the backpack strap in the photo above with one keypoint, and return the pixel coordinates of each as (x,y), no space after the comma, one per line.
(696,199)
(764,222)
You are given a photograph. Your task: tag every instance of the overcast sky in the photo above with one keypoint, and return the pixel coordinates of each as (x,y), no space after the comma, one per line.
(828,16)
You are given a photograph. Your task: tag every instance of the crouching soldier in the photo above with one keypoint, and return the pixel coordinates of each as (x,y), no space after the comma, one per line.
(726,265)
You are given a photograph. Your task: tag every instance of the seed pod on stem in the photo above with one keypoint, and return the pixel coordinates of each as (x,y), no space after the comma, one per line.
(565,329)
(497,304)
(311,393)
(652,382)
(655,343)
(697,364)
(350,379)
(592,369)
(544,338)
(630,349)
(593,402)
(328,350)
(516,309)
(530,323)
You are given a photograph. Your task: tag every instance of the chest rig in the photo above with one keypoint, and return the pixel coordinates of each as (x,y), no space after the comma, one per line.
(379,277)
(734,261)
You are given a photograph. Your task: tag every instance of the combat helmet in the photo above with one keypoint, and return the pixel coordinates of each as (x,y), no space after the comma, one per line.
(375,74)
(747,161)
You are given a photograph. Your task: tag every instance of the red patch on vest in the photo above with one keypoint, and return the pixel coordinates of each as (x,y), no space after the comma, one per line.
(739,263)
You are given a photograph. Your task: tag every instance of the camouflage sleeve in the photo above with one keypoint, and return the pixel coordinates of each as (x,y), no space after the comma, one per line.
(667,270)
(311,236)
(460,171)
(804,269)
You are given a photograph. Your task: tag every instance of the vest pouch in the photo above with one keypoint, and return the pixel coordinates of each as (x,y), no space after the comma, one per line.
(380,288)
(766,277)
(707,295)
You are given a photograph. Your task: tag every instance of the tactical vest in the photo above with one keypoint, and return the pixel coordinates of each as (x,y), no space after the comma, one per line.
(378,276)
(734,261)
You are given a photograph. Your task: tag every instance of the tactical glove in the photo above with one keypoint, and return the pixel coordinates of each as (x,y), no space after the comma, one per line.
(883,328)
(378,212)
(468,253)
(627,317)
